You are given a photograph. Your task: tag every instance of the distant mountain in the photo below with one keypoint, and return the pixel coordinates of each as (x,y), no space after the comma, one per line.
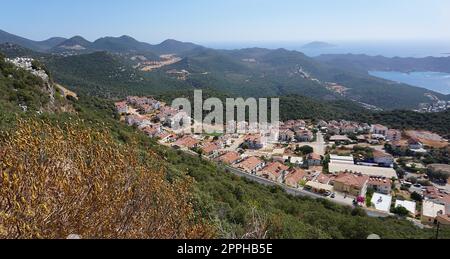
(254,72)
(120,44)
(318,45)
(174,47)
(45,45)
(79,45)
(74,43)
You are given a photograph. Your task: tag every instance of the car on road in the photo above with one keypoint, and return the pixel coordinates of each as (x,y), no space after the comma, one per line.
(327,194)
(333,195)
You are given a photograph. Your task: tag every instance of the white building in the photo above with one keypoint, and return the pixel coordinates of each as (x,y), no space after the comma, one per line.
(430,211)
(409,205)
(379,129)
(382,202)
(365,170)
(342,159)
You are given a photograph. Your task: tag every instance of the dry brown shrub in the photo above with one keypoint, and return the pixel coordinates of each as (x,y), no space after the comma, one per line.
(60,181)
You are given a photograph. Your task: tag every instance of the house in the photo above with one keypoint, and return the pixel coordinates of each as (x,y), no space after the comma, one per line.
(122,107)
(353,184)
(274,171)
(254,141)
(145,108)
(438,196)
(251,165)
(137,120)
(294,177)
(342,159)
(166,137)
(295,124)
(361,138)
(382,202)
(211,149)
(380,185)
(409,205)
(430,211)
(322,124)
(314,160)
(229,158)
(378,129)
(186,142)
(304,136)
(394,135)
(152,130)
(415,144)
(166,115)
(340,139)
(286,135)
(323,178)
(319,187)
(383,159)
(349,129)
(372,171)
(333,129)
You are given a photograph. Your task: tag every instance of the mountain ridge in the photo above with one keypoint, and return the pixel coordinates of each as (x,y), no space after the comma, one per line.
(6,37)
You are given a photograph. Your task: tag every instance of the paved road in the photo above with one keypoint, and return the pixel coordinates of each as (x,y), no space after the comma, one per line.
(319,145)
(301,193)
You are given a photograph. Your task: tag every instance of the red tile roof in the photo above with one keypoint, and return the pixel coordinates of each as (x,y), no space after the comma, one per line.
(210,147)
(353,180)
(250,163)
(274,168)
(187,141)
(229,158)
(376,181)
(295,176)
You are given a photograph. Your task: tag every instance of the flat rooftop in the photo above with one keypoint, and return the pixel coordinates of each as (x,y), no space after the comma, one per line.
(409,205)
(373,171)
(382,202)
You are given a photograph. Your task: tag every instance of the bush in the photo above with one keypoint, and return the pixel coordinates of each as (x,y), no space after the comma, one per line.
(305,150)
(401,211)
(416,197)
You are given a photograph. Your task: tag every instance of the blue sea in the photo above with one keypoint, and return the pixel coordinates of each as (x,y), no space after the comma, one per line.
(438,82)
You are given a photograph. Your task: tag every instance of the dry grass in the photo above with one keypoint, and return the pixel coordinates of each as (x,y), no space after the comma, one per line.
(60,181)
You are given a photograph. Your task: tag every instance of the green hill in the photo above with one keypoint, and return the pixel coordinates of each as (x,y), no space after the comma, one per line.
(367,63)
(248,72)
(45,45)
(107,75)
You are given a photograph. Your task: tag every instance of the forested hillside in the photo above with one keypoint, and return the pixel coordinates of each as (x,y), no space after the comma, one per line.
(366,63)
(248,72)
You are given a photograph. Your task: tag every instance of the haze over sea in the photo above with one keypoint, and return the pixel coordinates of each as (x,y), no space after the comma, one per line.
(383,48)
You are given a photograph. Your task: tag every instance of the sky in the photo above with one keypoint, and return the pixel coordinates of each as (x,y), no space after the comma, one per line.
(230,20)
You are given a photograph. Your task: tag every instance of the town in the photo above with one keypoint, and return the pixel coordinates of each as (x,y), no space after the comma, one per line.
(384,171)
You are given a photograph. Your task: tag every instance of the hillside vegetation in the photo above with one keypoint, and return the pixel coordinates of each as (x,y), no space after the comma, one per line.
(366,63)
(57,181)
(86,173)
(252,72)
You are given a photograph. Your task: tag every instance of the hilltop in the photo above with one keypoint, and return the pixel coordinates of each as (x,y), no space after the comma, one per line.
(45,45)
